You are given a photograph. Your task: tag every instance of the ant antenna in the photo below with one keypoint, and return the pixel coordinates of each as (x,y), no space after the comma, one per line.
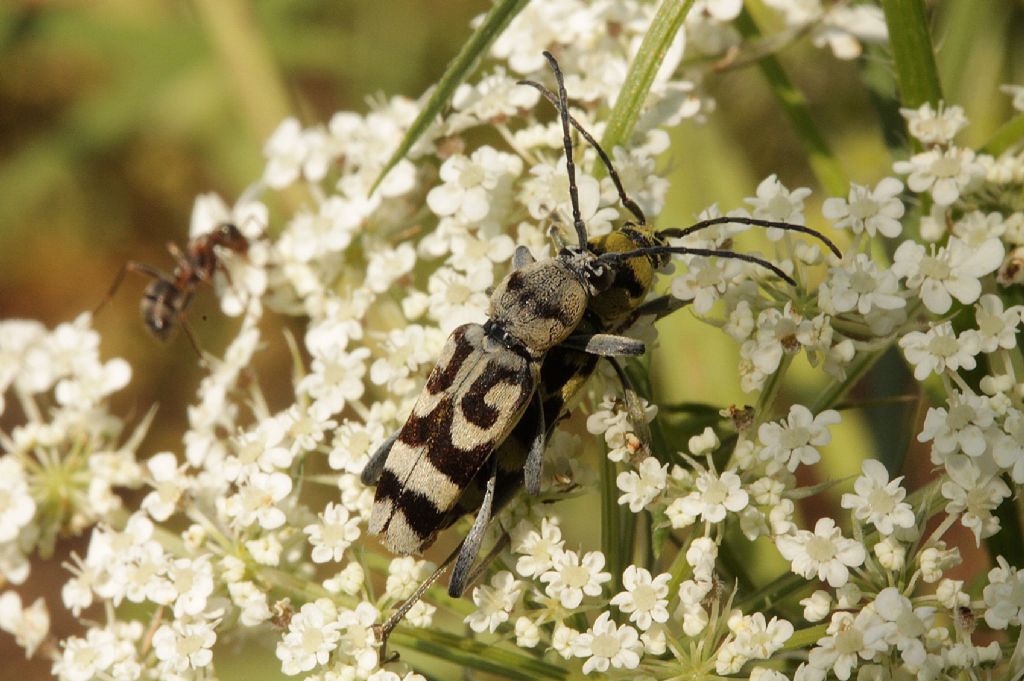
(705,252)
(677,232)
(629,203)
(570,167)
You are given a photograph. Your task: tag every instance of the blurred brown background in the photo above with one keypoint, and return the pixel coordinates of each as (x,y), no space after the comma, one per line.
(115,114)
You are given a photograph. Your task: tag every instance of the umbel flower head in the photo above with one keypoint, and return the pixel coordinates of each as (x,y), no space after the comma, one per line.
(627,564)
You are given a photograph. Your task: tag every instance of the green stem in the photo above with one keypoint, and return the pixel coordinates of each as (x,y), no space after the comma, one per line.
(912,52)
(611,526)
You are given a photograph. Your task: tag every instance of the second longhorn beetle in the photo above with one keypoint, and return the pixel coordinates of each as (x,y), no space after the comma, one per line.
(478,429)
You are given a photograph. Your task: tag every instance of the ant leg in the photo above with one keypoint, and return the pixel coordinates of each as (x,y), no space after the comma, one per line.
(179,256)
(192,338)
(130,266)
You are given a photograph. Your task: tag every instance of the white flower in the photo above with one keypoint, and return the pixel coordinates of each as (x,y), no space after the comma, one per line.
(715,496)
(349,581)
(849,638)
(256,501)
(796,440)
(404,575)
(333,534)
(879,501)
(494,602)
(312,634)
(817,606)
(191,584)
(185,644)
(974,493)
(1008,450)
(607,645)
(701,555)
(691,598)
(358,641)
(775,202)
(642,487)
(336,377)
(911,625)
(29,626)
(961,429)
(285,151)
(753,637)
(945,173)
(569,578)
(997,327)
(940,349)
(470,183)
(562,640)
(931,127)
(644,599)
(353,443)
(251,601)
(17,507)
(860,285)
(824,553)
(1004,596)
(86,658)
(169,484)
(494,96)
(538,548)
(546,191)
(867,210)
(527,633)
(845,27)
(949,272)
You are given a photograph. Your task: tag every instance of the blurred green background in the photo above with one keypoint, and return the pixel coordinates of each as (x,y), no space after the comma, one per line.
(115,114)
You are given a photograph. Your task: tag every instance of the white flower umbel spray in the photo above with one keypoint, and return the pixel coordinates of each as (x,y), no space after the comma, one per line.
(671,538)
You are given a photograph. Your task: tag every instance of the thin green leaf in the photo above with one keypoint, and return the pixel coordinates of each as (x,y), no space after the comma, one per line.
(458,70)
(912,52)
(467,652)
(628,105)
(794,106)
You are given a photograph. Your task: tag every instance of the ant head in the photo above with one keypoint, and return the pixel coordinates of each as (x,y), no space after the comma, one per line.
(230,237)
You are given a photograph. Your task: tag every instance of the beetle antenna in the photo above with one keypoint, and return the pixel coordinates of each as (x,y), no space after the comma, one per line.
(677,232)
(570,167)
(706,252)
(629,203)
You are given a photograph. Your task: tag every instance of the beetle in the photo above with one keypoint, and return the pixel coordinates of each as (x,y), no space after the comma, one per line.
(477,432)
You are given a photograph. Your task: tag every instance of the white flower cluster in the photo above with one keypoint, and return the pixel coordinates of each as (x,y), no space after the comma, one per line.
(256,526)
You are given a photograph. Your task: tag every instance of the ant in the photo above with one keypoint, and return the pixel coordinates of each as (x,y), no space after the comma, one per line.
(167,297)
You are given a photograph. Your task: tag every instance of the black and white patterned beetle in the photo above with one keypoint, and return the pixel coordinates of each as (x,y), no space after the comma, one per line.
(486,378)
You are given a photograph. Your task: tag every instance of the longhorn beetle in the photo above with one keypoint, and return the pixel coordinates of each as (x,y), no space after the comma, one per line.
(167,297)
(498,381)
